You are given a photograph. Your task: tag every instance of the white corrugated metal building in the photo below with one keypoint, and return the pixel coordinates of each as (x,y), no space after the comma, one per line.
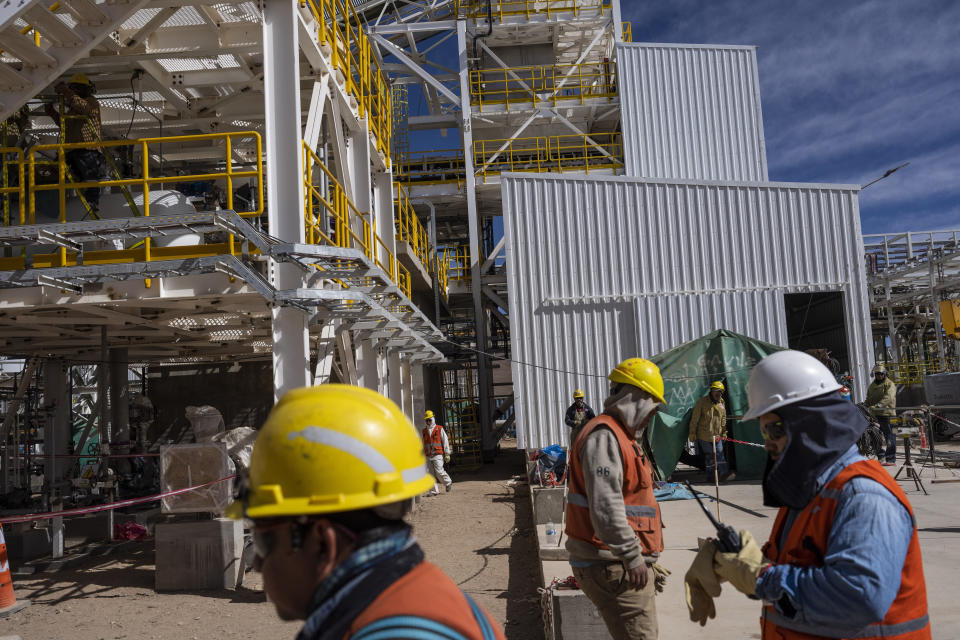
(602,269)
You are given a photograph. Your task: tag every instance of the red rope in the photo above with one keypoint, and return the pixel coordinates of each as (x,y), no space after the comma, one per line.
(749,444)
(30,517)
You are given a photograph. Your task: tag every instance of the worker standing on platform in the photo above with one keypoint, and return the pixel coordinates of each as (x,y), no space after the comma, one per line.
(333,472)
(578,414)
(613,528)
(81,123)
(436,448)
(882,402)
(843,557)
(707,425)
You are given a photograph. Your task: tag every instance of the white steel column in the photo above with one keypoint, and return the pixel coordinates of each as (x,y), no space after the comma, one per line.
(56,435)
(406,383)
(395,377)
(120,397)
(473,218)
(284,185)
(383,208)
(368,370)
(419,402)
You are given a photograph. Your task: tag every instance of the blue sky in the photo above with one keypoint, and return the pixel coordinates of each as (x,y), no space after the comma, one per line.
(849,90)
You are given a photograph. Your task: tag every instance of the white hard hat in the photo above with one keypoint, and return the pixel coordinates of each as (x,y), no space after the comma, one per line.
(786,377)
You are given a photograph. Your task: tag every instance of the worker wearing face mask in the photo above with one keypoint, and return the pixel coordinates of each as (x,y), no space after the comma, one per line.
(436,447)
(843,557)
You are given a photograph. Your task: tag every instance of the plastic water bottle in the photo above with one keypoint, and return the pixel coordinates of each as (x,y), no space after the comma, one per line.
(553,538)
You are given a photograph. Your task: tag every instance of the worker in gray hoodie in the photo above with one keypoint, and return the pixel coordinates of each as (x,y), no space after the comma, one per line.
(613,528)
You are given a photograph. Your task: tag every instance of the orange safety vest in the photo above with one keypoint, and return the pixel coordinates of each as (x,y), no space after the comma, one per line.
(642,510)
(807,542)
(433,441)
(425,592)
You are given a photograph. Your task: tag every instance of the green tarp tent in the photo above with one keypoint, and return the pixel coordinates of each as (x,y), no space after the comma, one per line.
(687,372)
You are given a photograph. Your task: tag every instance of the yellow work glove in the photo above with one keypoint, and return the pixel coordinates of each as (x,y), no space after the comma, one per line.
(446,459)
(742,569)
(660,574)
(701,585)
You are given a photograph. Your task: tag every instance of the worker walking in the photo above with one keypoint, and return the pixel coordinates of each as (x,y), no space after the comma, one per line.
(81,123)
(882,402)
(578,414)
(332,475)
(707,425)
(613,527)
(436,448)
(843,557)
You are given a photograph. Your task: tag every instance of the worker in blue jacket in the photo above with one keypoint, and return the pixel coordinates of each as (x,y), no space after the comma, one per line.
(843,558)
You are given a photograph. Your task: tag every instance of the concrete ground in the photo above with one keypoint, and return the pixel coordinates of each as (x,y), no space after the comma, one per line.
(938,517)
(481,535)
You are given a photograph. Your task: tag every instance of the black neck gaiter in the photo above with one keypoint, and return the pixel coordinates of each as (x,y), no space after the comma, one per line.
(820,430)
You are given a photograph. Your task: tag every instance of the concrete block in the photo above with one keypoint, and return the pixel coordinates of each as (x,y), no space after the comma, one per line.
(199,555)
(575,616)
(27,544)
(547,504)
(572,613)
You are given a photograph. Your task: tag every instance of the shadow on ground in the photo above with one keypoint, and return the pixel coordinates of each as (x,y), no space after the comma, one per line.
(106,577)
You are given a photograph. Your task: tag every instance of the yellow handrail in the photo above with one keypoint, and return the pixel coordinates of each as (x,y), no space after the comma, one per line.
(18,189)
(551,84)
(627,30)
(410,229)
(457,260)
(430,167)
(528,8)
(62,186)
(340,30)
(331,218)
(553,154)
(441,272)
(912,371)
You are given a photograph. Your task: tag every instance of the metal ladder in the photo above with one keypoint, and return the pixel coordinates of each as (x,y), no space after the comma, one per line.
(460,415)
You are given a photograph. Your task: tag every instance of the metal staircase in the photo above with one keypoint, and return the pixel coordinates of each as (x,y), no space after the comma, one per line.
(41,41)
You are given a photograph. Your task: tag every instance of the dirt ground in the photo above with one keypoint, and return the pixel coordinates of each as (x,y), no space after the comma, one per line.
(480,534)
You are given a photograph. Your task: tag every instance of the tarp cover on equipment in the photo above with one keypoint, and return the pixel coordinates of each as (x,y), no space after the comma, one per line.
(687,372)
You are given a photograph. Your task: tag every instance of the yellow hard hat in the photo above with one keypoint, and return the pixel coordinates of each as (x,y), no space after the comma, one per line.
(717,385)
(639,373)
(79,78)
(428,415)
(578,394)
(332,448)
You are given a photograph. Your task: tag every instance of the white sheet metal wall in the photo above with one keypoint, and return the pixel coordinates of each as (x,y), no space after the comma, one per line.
(603,269)
(691,112)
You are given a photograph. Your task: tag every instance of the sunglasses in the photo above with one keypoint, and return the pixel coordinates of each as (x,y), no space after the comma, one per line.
(265,536)
(773,430)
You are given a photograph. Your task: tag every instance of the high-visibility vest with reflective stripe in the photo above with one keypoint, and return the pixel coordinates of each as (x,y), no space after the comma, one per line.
(642,510)
(428,593)
(807,543)
(433,441)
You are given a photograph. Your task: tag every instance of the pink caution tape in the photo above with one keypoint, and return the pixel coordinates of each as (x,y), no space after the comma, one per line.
(30,517)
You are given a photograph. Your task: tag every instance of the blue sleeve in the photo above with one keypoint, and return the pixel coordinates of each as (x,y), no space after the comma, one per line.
(863,561)
(569,419)
(590,414)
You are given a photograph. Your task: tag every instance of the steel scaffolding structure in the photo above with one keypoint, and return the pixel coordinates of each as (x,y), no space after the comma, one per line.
(910,275)
(533,89)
